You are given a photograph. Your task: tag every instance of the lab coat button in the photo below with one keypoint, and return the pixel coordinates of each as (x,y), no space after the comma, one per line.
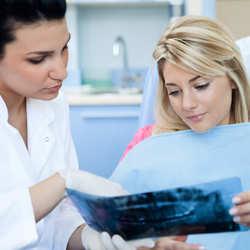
(46,139)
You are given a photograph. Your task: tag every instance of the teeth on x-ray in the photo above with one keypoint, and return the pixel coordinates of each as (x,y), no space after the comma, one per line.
(179,211)
(145,213)
(170,208)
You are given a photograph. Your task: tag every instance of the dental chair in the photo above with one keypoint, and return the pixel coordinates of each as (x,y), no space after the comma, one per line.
(244,47)
(150,86)
(149,91)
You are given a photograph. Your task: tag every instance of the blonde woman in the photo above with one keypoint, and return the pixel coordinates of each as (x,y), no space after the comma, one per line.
(202,84)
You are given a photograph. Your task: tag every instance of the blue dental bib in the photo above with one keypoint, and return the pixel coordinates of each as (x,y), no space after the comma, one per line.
(187,158)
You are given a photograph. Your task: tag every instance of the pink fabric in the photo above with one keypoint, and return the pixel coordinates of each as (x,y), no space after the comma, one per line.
(141,134)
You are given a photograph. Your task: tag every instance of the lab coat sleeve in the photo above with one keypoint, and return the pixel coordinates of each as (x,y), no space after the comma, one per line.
(68,219)
(18,225)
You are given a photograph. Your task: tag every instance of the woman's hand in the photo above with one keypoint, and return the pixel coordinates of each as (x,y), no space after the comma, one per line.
(90,239)
(93,240)
(88,183)
(175,243)
(241,211)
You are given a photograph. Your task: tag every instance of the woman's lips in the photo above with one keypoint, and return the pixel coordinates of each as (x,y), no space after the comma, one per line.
(54,89)
(196,118)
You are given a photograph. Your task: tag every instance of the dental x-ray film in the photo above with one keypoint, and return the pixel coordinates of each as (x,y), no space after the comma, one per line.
(195,209)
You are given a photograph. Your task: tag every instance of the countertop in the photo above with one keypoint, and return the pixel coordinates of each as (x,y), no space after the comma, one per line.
(104,99)
(76,97)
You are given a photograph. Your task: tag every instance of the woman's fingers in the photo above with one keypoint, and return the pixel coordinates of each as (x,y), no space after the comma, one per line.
(181,238)
(170,244)
(246,224)
(241,211)
(243,219)
(241,198)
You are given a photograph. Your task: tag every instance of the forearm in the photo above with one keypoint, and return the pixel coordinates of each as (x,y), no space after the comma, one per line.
(46,195)
(75,241)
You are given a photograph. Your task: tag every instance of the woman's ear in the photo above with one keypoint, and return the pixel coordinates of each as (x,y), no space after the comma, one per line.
(233,84)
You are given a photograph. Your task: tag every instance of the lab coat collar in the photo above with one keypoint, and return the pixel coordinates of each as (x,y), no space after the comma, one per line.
(40,138)
(42,107)
(3,110)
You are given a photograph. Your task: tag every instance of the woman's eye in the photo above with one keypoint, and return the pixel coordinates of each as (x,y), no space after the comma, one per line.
(201,87)
(36,61)
(174,93)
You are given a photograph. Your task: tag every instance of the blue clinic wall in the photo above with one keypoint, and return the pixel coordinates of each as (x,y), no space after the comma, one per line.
(140,25)
(209,8)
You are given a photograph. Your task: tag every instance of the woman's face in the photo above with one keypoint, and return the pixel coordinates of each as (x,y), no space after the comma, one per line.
(201,103)
(34,65)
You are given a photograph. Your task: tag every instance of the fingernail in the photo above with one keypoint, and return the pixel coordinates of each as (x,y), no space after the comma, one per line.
(201,248)
(233,211)
(236,218)
(236,200)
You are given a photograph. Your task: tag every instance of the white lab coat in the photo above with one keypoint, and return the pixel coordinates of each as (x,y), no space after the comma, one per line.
(50,149)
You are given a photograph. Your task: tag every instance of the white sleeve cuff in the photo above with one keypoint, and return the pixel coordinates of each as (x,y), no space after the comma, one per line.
(18,225)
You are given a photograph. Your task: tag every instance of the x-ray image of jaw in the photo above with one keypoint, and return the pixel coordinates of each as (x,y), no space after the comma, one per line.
(181,211)
(176,212)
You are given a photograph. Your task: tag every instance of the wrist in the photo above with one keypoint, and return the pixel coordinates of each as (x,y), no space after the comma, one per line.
(61,185)
(65,174)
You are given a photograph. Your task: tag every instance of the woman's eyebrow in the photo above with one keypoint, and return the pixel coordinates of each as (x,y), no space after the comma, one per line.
(194,79)
(40,52)
(47,52)
(191,80)
(170,84)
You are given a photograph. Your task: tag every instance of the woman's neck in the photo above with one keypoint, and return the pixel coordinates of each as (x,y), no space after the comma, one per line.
(17,116)
(16,105)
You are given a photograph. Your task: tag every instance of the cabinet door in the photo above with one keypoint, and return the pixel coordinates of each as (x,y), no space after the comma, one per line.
(101,135)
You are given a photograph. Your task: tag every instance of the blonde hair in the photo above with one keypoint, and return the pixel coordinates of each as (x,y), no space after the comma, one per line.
(205,48)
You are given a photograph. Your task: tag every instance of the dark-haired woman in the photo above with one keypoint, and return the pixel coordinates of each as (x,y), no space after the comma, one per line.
(35,136)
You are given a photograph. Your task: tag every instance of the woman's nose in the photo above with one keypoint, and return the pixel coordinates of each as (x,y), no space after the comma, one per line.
(58,71)
(189,101)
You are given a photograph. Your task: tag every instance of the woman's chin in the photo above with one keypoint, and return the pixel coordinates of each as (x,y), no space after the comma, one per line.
(45,97)
(200,129)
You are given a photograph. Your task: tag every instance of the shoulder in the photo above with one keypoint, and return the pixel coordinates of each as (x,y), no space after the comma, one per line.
(141,134)
(145,132)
